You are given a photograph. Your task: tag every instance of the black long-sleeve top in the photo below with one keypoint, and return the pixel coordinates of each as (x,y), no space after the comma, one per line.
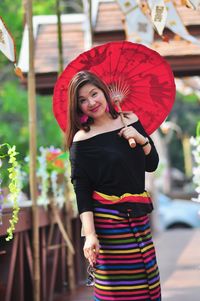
(107,164)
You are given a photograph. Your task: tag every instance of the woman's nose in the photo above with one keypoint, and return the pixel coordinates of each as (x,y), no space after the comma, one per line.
(91,102)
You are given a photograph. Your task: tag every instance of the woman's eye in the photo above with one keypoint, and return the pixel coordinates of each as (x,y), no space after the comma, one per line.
(94,94)
(82,100)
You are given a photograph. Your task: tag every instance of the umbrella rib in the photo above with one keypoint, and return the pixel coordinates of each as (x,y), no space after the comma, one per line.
(131,77)
(117,68)
(110,69)
(137,100)
(135,50)
(122,70)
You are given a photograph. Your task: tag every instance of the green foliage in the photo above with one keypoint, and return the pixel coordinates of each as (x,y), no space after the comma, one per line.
(14,119)
(43,7)
(14,17)
(12,13)
(185,114)
(14,115)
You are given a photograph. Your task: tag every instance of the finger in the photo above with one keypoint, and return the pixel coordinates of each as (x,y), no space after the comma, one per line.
(92,261)
(97,250)
(121,132)
(86,253)
(127,129)
(95,253)
(92,254)
(127,134)
(131,142)
(130,130)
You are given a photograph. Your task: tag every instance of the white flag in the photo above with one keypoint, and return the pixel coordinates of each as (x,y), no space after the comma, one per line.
(128,6)
(6,42)
(194,3)
(138,28)
(158,14)
(175,24)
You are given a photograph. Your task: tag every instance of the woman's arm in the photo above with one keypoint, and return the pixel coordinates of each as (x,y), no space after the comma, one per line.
(131,132)
(83,189)
(91,246)
(141,138)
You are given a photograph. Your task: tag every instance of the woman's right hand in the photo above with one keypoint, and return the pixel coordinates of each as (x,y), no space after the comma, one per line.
(91,248)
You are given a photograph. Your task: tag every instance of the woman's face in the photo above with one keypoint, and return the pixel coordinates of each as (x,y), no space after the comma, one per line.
(92,101)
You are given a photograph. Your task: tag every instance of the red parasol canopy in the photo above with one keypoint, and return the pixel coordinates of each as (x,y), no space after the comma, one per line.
(139,76)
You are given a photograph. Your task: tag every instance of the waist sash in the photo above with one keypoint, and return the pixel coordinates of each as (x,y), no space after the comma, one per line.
(141,198)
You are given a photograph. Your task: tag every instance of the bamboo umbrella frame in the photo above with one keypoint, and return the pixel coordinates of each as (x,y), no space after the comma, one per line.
(32,147)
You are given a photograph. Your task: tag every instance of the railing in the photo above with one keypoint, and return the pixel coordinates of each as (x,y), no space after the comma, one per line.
(16,259)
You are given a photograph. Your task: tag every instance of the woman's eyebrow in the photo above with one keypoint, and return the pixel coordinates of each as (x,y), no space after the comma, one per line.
(92,90)
(88,93)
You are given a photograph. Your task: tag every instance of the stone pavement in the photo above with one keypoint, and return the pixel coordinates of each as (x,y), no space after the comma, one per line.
(178,253)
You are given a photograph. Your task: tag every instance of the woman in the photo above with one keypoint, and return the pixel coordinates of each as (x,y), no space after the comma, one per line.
(108,177)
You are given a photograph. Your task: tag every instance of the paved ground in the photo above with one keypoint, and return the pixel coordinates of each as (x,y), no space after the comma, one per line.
(179,261)
(178,253)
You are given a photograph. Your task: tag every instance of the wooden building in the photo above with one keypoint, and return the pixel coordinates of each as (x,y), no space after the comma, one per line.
(108,25)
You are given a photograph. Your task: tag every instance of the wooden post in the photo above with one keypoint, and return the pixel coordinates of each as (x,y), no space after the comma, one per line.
(187,155)
(66,235)
(70,255)
(61,226)
(32,147)
(90,18)
(87,8)
(59,31)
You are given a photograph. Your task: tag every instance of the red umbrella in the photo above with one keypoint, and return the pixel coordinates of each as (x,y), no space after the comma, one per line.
(138,76)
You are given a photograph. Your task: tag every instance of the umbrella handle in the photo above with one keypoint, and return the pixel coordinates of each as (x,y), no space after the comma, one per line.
(132,142)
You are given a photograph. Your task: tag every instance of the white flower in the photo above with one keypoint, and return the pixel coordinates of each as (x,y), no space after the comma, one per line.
(193,141)
(196,170)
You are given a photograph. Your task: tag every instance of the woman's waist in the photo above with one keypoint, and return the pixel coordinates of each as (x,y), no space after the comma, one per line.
(142,198)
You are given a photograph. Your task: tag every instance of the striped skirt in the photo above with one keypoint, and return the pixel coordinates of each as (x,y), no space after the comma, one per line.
(126,267)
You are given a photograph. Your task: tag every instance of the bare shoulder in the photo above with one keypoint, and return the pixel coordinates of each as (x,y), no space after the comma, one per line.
(132,117)
(80,135)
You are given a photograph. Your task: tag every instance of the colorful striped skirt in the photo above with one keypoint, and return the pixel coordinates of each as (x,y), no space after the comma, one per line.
(126,267)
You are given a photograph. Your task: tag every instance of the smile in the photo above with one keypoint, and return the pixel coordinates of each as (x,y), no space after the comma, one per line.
(95,109)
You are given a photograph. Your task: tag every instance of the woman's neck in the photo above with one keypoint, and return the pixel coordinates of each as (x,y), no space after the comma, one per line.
(102,121)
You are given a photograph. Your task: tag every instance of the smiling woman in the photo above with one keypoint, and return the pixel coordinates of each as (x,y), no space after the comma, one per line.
(91,101)
(89,98)
(109,181)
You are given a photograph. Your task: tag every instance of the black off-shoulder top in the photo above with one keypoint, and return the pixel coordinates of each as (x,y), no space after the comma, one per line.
(107,164)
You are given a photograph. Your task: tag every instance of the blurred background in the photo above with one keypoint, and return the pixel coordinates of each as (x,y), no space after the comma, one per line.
(62,30)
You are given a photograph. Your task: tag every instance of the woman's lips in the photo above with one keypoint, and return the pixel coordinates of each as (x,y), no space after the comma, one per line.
(95,109)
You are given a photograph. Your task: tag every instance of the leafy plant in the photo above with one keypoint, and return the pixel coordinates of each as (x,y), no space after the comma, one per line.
(13,185)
